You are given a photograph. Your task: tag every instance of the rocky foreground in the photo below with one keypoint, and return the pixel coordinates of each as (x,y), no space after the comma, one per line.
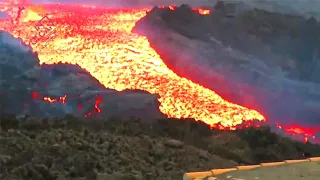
(118,149)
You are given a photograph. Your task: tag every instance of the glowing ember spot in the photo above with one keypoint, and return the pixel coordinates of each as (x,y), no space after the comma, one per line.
(35,95)
(204,11)
(298,130)
(199,10)
(61,99)
(172,7)
(50,100)
(96,107)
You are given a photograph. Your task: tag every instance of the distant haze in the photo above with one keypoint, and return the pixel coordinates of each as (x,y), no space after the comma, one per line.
(298,6)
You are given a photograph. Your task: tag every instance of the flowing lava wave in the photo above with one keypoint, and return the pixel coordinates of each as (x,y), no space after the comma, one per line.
(100,41)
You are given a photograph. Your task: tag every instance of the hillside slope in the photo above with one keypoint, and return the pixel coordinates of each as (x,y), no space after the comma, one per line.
(263,60)
(132,149)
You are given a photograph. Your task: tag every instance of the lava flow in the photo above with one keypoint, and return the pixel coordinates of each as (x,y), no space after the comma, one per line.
(100,41)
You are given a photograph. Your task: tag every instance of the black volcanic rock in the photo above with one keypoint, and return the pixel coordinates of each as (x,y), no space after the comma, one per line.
(256,32)
(24,84)
(263,60)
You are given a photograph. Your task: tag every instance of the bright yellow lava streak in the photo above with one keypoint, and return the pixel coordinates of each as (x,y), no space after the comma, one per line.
(100,41)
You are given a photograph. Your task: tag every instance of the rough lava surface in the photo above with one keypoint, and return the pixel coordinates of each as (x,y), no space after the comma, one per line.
(57,90)
(255,58)
(243,71)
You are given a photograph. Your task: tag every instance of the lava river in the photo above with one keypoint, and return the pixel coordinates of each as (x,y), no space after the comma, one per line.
(100,41)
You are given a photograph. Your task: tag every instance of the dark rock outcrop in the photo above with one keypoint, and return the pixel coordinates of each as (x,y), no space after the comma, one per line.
(24,84)
(258,59)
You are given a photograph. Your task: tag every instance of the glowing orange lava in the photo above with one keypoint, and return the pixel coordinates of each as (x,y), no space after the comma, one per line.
(100,41)
(55,100)
(204,11)
(201,11)
(295,130)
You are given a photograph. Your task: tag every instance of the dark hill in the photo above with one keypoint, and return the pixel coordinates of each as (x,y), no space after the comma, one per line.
(134,149)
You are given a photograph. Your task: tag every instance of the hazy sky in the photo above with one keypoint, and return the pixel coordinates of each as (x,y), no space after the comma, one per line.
(297,5)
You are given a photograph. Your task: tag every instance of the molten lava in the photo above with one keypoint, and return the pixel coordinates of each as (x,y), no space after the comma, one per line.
(55,100)
(96,107)
(100,41)
(37,96)
(295,130)
(29,15)
(201,11)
